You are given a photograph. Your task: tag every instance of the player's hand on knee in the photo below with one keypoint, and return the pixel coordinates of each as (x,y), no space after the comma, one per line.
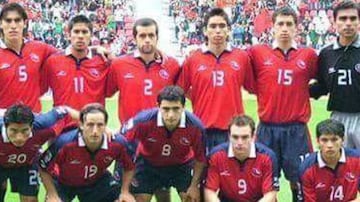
(126,197)
(193,194)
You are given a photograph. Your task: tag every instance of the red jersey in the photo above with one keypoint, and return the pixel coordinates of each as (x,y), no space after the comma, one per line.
(76,82)
(138,83)
(215,84)
(77,166)
(160,147)
(321,183)
(242,181)
(20,74)
(282,83)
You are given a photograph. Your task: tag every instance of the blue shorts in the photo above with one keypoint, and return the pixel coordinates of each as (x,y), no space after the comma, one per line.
(24,180)
(105,189)
(149,178)
(290,142)
(215,137)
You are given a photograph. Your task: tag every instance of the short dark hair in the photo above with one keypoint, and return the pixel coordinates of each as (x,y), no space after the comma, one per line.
(242,120)
(285,10)
(330,126)
(216,12)
(346,5)
(18,113)
(145,22)
(13,7)
(80,19)
(171,93)
(93,108)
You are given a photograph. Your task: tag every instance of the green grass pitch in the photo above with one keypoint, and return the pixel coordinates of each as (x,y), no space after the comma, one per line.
(318,113)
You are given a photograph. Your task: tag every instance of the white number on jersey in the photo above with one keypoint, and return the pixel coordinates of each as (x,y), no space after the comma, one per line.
(218,78)
(79,84)
(33,177)
(285,77)
(23,76)
(337,193)
(90,171)
(242,186)
(344,77)
(166,150)
(13,158)
(148,86)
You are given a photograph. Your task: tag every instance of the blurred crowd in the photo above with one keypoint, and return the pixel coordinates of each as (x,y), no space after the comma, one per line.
(112,21)
(251,20)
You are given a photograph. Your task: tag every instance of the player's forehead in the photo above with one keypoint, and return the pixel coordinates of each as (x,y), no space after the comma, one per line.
(94,117)
(240,130)
(12,14)
(18,126)
(217,19)
(284,19)
(150,29)
(350,12)
(329,136)
(170,104)
(80,26)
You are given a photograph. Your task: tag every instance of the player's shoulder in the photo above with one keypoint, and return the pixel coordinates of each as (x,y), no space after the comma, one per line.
(64,139)
(58,55)
(326,49)
(140,118)
(221,148)
(194,54)
(193,120)
(352,153)
(308,50)
(37,44)
(123,59)
(262,149)
(308,163)
(120,139)
(259,47)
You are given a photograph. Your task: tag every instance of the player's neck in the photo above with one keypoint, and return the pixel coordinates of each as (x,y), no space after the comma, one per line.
(217,49)
(14,45)
(285,46)
(332,162)
(346,41)
(147,58)
(79,54)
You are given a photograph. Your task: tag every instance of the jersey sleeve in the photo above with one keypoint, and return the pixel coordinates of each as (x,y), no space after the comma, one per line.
(213,175)
(271,179)
(199,146)
(111,82)
(48,119)
(307,191)
(44,85)
(44,135)
(184,80)
(319,88)
(313,64)
(125,155)
(249,81)
(50,157)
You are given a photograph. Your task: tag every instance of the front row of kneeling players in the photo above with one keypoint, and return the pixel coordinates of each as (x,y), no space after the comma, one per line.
(169,144)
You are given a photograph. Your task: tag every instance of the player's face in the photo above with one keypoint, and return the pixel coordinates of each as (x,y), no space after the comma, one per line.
(171,112)
(146,39)
(284,29)
(80,36)
(18,133)
(13,26)
(330,145)
(347,23)
(93,128)
(241,138)
(217,31)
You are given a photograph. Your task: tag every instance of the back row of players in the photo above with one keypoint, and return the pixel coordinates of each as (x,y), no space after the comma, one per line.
(212,77)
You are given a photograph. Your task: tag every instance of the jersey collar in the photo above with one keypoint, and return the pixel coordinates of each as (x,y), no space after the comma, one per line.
(205,48)
(5,137)
(275,45)
(251,155)
(81,141)
(68,52)
(356,43)
(160,122)
(138,55)
(323,164)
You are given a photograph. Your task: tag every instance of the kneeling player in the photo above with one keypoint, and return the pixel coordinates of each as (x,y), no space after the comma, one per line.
(241,170)
(170,144)
(82,158)
(333,173)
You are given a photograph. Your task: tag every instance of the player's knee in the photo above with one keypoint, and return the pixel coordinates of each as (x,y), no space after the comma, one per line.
(143,197)
(163,195)
(28,198)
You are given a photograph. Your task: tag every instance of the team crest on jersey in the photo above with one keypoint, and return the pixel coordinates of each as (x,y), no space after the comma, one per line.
(235,65)
(301,64)
(5,66)
(357,68)
(94,72)
(256,172)
(164,74)
(201,68)
(34,57)
(350,177)
(184,141)
(331,70)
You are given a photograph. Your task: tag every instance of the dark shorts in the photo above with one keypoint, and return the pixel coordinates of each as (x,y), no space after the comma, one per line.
(290,142)
(148,178)
(215,137)
(24,180)
(105,189)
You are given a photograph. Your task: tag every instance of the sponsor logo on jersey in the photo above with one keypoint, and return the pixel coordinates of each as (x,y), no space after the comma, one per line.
(357,68)
(331,70)
(164,74)
(75,161)
(151,139)
(184,141)
(256,172)
(129,76)
(235,65)
(225,173)
(34,57)
(320,185)
(61,73)
(2,154)
(349,176)
(201,68)
(5,66)
(94,72)
(301,64)
(268,62)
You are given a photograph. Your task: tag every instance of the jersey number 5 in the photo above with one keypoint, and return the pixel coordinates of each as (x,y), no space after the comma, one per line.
(23,76)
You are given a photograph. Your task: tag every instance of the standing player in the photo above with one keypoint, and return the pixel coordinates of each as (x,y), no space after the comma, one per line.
(333,173)
(82,158)
(21,60)
(282,74)
(140,76)
(170,145)
(213,73)
(19,147)
(241,170)
(339,72)
(76,76)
